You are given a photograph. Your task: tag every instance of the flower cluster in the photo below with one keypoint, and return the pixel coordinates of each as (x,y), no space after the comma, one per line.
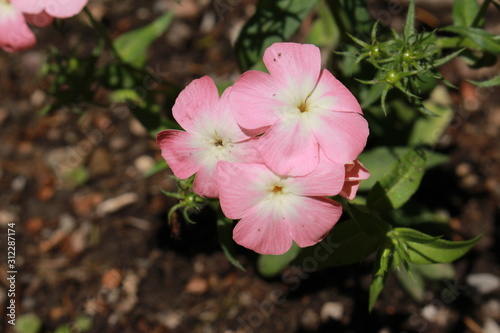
(16,14)
(272,148)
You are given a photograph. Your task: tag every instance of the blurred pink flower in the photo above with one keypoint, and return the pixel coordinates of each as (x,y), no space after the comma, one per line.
(54,8)
(15,35)
(276,209)
(355,172)
(211,135)
(301,110)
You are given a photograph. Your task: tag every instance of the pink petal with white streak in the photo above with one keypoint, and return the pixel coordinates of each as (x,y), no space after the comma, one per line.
(289,147)
(241,187)
(296,66)
(15,35)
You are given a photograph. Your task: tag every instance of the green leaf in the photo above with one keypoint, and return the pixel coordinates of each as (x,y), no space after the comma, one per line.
(435,271)
(394,188)
(489,83)
(346,244)
(425,249)
(413,235)
(273,21)
(428,130)
(464,12)
(484,39)
(83,324)
(225,234)
(324,31)
(272,265)
(28,323)
(380,160)
(412,282)
(132,46)
(381,269)
(409,29)
(369,222)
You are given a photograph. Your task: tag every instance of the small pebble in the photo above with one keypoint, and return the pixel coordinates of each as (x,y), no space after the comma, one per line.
(332,310)
(484,283)
(144,163)
(114,204)
(197,286)
(310,320)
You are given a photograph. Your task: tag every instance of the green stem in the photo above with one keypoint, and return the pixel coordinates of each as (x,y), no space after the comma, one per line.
(101,31)
(480,13)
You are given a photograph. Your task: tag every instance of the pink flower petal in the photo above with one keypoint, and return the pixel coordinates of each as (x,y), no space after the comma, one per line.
(177,149)
(195,102)
(253,99)
(326,179)
(310,223)
(64,9)
(261,232)
(342,135)
(41,20)
(355,172)
(15,35)
(55,8)
(205,183)
(240,187)
(335,95)
(294,64)
(29,6)
(289,147)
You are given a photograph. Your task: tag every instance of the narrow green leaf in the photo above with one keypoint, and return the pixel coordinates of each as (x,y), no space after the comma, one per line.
(380,272)
(464,12)
(397,186)
(425,249)
(225,234)
(412,235)
(272,265)
(435,271)
(273,21)
(412,282)
(439,62)
(484,39)
(132,45)
(409,28)
(488,83)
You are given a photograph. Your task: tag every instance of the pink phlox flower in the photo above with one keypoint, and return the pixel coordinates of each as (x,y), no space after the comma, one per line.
(301,110)
(355,172)
(211,135)
(54,8)
(15,35)
(276,209)
(41,20)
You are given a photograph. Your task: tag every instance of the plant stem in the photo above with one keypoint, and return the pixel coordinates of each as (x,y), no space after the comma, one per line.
(101,31)
(480,13)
